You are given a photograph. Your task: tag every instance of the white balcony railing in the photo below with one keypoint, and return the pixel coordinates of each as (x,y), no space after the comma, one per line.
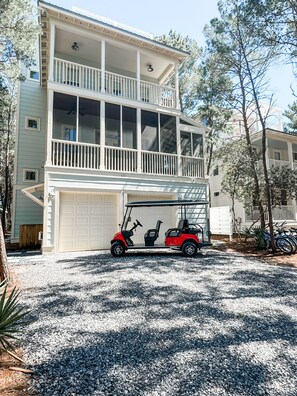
(85,77)
(77,75)
(118,85)
(192,167)
(158,163)
(87,156)
(275,162)
(122,160)
(157,94)
(284,212)
(75,155)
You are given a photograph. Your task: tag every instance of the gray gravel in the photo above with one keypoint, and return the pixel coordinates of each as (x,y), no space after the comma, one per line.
(154,325)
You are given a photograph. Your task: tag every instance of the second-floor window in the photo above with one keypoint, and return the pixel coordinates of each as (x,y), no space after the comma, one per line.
(158,132)
(120,126)
(71,111)
(191,144)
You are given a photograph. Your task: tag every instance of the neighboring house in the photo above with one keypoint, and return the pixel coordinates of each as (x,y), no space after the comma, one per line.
(99,127)
(281,150)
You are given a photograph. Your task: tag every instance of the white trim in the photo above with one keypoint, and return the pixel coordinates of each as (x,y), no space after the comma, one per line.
(28,128)
(103,56)
(29,71)
(28,192)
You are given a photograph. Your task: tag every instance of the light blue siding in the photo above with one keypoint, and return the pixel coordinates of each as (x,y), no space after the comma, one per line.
(26,212)
(31,144)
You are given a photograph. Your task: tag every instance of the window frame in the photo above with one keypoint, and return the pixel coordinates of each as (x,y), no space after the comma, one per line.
(37,119)
(31,78)
(277,152)
(35,180)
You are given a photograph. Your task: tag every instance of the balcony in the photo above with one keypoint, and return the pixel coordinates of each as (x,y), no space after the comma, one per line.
(86,156)
(274,162)
(279,213)
(89,78)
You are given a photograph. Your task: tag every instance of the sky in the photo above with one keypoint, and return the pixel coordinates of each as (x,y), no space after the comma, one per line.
(188,18)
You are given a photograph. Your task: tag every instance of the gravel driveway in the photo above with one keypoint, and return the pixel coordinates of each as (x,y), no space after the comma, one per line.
(218,324)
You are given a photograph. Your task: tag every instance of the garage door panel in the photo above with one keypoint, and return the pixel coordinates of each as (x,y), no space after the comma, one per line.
(87,221)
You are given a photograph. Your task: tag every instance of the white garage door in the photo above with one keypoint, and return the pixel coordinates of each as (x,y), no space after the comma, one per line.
(87,221)
(148,217)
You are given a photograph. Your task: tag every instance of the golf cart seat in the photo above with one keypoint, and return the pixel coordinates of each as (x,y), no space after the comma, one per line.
(182,226)
(152,234)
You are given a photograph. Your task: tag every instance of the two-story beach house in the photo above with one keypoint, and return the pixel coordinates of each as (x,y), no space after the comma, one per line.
(281,151)
(99,125)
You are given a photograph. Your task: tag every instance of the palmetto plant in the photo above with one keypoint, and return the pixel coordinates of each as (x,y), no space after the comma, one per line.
(11,318)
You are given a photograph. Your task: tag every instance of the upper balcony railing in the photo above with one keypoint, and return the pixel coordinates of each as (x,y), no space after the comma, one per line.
(275,162)
(283,212)
(85,77)
(85,156)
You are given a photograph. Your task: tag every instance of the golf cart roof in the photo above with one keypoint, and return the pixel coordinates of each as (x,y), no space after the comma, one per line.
(179,202)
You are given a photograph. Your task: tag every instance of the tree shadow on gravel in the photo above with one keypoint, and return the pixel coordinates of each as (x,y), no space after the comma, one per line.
(153,324)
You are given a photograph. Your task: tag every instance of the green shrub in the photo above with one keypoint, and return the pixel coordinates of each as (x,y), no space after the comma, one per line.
(11,318)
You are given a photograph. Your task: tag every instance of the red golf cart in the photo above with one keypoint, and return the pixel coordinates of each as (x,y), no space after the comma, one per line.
(189,238)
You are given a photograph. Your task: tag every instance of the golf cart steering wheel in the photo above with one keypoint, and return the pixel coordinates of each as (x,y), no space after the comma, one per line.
(138,223)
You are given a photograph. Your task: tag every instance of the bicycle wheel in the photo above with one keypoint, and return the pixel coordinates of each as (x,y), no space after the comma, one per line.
(284,244)
(293,240)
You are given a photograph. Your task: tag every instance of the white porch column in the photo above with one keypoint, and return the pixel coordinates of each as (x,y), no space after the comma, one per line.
(103,52)
(52,52)
(49,132)
(138,131)
(102,135)
(177,103)
(290,154)
(138,75)
(178,148)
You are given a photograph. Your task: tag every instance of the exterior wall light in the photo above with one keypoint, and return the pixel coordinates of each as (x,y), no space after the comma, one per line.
(150,68)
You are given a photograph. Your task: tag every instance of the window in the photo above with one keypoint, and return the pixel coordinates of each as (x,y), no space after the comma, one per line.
(30,175)
(167,134)
(89,121)
(295,157)
(216,170)
(284,198)
(277,155)
(32,123)
(197,144)
(34,75)
(112,125)
(185,141)
(191,144)
(128,127)
(216,194)
(69,133)
(64,117)
(149,131)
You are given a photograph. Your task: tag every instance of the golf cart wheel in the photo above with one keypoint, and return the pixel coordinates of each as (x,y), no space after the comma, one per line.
(117,249)
(189,249)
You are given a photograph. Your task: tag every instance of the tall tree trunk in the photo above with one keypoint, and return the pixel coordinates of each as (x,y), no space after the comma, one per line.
(3,258)
(251,154)
(265,168)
